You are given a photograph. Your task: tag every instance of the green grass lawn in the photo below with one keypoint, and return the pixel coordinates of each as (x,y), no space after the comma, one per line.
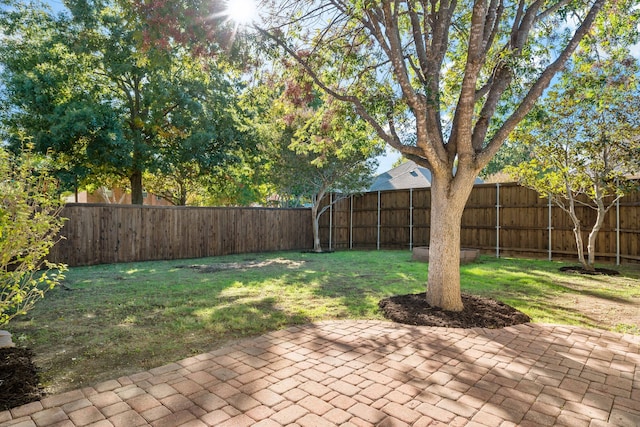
(113,320)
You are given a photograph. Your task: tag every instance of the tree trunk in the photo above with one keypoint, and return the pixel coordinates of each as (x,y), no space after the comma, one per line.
(104,196)
(121,199)
(136,188)
(577,232)
(316,227)
(591,245)
(182,189)
(447,205)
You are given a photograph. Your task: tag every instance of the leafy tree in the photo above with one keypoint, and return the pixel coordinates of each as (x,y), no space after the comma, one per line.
(243,184)
(232,184)
(86,91)
(442,82)
(584,139)
(29,225)
(513,152)
(179,188)
(319,146)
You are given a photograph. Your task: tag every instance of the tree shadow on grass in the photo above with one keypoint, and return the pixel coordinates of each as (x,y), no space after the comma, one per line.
(512,279)
(122,336)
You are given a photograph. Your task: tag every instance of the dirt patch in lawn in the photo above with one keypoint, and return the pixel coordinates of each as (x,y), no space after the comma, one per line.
(578,269)
(478,312)
(212,268)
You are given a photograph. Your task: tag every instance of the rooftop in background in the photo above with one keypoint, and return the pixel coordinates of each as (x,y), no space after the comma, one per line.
(407,175)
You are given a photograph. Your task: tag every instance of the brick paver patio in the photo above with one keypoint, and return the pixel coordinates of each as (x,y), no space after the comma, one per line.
(366,373)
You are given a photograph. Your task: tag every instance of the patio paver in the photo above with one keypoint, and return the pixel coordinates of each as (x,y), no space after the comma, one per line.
(359,373)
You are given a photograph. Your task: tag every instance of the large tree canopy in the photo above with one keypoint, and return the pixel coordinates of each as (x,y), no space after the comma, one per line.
(83,87)
(443,82)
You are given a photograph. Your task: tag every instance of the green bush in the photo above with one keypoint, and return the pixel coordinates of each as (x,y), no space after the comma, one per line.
(29,225)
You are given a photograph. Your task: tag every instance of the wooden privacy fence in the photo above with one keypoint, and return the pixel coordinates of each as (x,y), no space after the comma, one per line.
(505,219)
(103,234)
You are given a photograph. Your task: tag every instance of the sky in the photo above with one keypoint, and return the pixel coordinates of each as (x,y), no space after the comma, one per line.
(386,161)
(56,5)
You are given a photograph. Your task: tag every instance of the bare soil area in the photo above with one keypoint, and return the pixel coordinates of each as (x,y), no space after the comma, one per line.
(19,382)
(578,269)
(212,268)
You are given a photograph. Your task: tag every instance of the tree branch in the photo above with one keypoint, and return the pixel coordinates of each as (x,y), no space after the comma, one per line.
(538,88)
(553,9)
(394,142)
(421,48)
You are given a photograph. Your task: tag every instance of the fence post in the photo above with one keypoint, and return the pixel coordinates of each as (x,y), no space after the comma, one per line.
(497,220)
(411,219)
(618,231)
(330,218)
(550,228)
(378,243)
(351,223)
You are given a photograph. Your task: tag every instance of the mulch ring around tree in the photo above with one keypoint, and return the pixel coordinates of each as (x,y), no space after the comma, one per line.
(578,269)
(478,312)
(19,382)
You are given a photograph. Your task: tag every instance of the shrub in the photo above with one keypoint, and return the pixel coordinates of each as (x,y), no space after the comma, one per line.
(29,225)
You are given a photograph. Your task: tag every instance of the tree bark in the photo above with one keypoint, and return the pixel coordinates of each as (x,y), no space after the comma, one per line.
(316,227)
(136,188)
(591,245)
(104,196)
(447,204)
(577,232)
(577,228)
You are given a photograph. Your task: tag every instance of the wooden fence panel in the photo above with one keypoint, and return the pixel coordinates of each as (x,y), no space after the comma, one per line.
(395,212)
(629,224)
(101,234)
(524,222)
(421,216)
(506,219)
(479,219)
